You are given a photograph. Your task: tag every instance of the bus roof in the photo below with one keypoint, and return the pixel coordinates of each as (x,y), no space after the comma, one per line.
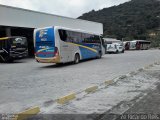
(141,41)
(65,28)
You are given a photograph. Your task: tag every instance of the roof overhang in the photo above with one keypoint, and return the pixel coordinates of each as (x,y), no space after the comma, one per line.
(11,16)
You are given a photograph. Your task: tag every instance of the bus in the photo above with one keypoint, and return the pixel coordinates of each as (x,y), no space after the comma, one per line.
(61,45)
(14,47)
(137,45)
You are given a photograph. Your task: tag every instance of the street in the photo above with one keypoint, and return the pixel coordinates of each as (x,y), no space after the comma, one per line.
(27,83)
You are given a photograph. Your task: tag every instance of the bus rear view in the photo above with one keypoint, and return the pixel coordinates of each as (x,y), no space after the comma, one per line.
(61,45)
(45,49)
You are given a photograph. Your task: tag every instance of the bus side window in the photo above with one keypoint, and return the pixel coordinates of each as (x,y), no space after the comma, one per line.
(74,37)
(70,37)
(63,35)
(86,38)
(96,39)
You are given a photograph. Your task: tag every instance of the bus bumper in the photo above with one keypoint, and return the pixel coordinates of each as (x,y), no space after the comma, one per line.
(19,55)
(48,60)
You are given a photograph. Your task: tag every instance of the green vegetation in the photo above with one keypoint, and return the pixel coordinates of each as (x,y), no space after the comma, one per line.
(136,19)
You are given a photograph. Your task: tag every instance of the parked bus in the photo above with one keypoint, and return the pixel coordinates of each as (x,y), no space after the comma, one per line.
(61,45)
(137,45)
(12,48)
(140,44)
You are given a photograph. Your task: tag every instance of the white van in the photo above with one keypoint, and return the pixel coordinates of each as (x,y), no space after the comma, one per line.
(115,48)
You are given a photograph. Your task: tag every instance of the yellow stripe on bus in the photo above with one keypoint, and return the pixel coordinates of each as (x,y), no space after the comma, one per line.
(84,47)
(41,50)
(4,38)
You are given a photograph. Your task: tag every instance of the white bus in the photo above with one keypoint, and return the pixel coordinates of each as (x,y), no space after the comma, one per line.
(61,45)
(140,45)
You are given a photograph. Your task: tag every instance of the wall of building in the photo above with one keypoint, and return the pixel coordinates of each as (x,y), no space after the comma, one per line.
(10,16)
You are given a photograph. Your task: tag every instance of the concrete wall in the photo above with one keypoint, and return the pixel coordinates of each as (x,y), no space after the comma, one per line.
(10,16)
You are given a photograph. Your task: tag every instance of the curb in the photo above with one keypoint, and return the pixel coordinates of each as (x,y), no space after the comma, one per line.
(27,113)
(66,98)
(91,89)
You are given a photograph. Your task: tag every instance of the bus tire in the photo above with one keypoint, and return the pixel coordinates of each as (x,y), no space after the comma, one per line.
(76,58)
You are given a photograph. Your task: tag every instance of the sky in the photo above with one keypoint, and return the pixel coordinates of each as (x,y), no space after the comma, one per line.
(68,8)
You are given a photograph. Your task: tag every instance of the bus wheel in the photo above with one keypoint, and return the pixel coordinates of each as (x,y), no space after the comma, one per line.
(76,59)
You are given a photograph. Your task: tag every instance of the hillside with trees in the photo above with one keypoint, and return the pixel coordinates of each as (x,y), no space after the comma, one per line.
(136,19)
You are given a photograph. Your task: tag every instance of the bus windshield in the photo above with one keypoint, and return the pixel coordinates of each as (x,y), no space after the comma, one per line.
(19,41)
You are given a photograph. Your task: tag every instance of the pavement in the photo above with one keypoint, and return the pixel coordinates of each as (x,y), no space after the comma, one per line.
(135,96)
(26,83)
(145,107)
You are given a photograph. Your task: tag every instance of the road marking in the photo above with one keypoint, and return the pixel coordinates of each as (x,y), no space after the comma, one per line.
(91,89)
(66,98)
(27,113)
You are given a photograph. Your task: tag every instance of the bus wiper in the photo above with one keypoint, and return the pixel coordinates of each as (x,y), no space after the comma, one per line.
(4,50)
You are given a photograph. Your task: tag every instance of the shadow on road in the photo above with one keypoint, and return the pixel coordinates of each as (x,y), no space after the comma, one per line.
(61,65)
(15,62)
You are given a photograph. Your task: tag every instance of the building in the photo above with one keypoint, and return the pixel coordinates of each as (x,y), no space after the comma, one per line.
(21,22)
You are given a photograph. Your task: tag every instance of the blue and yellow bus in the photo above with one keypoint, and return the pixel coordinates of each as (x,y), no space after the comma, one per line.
(61,45)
